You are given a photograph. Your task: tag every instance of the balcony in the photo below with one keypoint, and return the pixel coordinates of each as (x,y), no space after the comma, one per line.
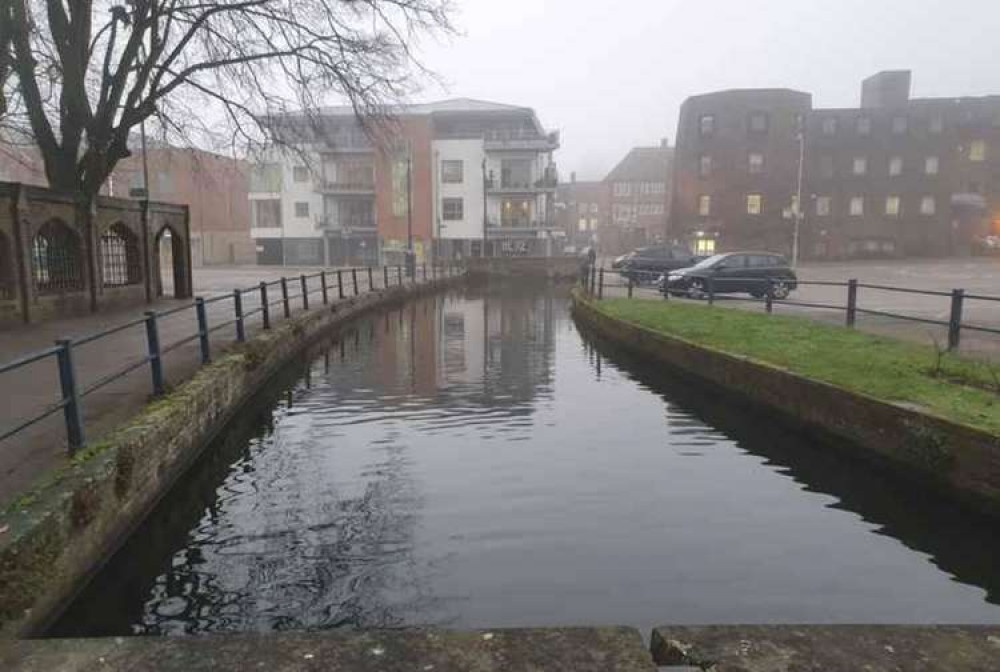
(339,188)
(520,140)
(518,228)
(544,185)
(348,226)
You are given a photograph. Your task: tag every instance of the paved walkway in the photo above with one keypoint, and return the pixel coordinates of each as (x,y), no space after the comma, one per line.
(27,455)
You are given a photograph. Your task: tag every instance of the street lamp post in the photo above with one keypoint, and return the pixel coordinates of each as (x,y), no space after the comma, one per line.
(485,190)
(411,265)
(798,199)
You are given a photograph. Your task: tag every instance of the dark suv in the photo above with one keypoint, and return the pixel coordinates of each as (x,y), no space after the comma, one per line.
(646,264)
(755,273)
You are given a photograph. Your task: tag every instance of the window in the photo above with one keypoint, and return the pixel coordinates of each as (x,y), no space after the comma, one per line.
(928,206)
(705,165)
(266,213)
(826,167)
(896,166)
(755,203)
(830,126)
(892,206)
(300,174)
(56,260)
(977,151)
(864,125)
(451,172)
(302,209)
(931,165)
(857,206)
(266,177)
(860,166)
(899,125)
(704,246)
(515,173)
(936,125)
(623,188)
(758,122)
(756,163)
(823,204)
(704,205)
(120,257)
(452,209)
(706,124)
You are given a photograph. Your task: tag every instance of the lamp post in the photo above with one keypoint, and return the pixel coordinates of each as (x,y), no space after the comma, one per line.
(411,265)
(798,197)
(485,189)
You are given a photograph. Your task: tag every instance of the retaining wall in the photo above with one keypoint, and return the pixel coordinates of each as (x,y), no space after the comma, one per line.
(958,460)
(517,268)
(54,538)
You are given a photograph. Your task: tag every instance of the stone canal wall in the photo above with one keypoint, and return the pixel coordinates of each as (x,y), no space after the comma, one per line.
(960,461)
(524,268)
(54,538)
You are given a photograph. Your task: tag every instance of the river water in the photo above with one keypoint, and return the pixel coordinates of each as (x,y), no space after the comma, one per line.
(473,460)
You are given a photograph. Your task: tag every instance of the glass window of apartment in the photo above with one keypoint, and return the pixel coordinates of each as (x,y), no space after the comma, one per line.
(451,172)
(704,205)
(706,124)
(864,125)
(704,165)
(593,208)
(267,213)
(300,174)
(977,150)
(826,167)
(931,165)
(899,125)
(755,204)
(896,166)
(266,177)
(936,125)
(823,206)
(830,126)
(758,122)
(302,209)
(928,206)
(857,208)
(515,173)
(755,162)
(622,188)
(892,206)
(860,165)
(452,209)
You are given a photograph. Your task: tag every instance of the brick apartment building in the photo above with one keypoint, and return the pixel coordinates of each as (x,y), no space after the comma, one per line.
(582,211)
(454,173)
(214,188)
(638,197)
(897,176)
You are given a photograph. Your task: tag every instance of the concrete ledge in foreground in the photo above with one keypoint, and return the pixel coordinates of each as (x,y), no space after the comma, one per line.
(534,650)
(829,648)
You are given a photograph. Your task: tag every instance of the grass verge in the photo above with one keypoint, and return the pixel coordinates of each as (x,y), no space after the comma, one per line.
(957,389)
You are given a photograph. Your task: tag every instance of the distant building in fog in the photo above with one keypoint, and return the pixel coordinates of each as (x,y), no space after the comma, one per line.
(896,177)
(582,211)
(638,196)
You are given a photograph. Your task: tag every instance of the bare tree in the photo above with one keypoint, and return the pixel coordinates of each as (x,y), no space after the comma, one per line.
(77,76)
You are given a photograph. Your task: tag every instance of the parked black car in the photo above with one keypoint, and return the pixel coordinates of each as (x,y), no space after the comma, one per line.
(645,265)
(755,273)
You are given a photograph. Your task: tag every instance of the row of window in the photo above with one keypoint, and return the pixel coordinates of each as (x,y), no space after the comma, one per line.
(587,207)
(824,205)
(758,122)
(621,211)
(639,188)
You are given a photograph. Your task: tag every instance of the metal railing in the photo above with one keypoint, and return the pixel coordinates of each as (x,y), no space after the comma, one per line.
(283,294)
(771,292)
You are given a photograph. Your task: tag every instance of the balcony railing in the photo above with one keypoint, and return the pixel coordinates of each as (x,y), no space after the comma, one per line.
(347,225)
(346,187)
(522,186)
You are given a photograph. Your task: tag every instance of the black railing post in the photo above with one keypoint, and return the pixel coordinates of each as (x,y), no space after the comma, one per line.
(399,275)
(630,288)
(241,334)
(600,284)
(593,280)
(199,309)
(155,360)
(955,321)
(340,284)
(354,279)
(305,292)
(371,281)
(711,289)
(326,292)
(385,277)
(852,302)
(265,308)
(769,297)
(284,297)
(71,400)
(425,271)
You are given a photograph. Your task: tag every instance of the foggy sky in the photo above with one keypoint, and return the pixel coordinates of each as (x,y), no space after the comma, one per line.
(611,75)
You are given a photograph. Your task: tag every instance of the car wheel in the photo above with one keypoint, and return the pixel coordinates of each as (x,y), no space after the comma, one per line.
(780,289)
(757,295)
(696,290)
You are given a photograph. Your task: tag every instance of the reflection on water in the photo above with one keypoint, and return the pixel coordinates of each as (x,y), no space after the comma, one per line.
(472,460)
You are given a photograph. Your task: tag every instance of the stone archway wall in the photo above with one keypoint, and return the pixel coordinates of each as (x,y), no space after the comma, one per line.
(25,210)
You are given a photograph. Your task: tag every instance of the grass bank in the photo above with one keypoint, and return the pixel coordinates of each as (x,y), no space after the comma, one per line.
(954,388)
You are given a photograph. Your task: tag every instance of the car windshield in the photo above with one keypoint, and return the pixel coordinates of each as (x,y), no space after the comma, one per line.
(711,261)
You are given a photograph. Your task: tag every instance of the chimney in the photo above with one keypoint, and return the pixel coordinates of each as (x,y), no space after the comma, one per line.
(572,177)
(664,143)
